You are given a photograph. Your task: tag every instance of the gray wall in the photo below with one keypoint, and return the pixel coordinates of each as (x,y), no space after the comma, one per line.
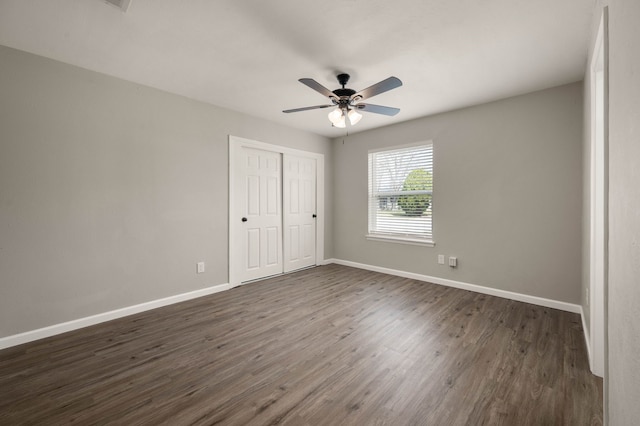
(507,194)
(110,192)
(624,213)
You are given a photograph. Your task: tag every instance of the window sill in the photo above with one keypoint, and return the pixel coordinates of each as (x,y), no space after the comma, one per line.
(401,240)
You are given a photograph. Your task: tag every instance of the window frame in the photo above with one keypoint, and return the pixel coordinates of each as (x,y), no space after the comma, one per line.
(411,239)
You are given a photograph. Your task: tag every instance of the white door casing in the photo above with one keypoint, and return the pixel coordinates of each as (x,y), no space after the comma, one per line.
(599,201)
(299,212)
(237,244)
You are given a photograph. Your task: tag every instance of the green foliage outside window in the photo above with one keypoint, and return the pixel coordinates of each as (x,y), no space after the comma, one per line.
(416,204)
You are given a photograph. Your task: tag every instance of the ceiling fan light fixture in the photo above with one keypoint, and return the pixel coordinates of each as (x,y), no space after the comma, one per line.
(354,116)
(337,118)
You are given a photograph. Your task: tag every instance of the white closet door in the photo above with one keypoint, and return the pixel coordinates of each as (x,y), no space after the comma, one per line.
(299,187)
(260,204)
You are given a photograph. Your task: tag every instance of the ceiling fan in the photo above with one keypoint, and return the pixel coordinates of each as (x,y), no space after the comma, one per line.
(348,101)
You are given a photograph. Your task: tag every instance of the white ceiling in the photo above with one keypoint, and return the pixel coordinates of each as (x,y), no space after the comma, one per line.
(248,55)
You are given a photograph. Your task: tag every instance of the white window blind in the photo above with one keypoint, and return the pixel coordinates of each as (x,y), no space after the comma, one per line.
(400,192)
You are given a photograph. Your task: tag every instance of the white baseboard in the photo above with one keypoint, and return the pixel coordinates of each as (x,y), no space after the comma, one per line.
(41,333)
(534,300)
(52,330)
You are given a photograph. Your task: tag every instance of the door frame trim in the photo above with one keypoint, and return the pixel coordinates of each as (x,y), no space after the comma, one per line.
(599,185)
(235,144)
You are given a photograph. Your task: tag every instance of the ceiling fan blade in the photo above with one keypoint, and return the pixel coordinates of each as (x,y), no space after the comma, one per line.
(308,108)
(380,87)
(378,109)
(317,87)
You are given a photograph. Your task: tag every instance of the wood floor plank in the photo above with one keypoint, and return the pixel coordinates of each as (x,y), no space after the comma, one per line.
(325,346)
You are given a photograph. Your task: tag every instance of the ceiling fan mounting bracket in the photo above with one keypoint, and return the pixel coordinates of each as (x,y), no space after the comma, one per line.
(343,79)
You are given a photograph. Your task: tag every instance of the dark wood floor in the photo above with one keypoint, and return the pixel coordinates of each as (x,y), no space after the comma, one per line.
(327,346)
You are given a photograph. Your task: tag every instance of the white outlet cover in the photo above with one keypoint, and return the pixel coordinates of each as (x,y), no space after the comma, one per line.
(441,259)
(200,267)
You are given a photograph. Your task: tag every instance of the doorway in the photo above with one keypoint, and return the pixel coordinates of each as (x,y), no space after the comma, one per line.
(275,197)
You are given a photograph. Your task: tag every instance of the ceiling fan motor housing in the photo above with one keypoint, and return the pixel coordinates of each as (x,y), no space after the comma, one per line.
(344,92)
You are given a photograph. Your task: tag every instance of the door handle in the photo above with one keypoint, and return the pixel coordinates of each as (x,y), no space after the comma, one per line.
(314,216)
(244,219)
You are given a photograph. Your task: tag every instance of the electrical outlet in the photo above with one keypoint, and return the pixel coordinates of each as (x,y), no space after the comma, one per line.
(453,261)
(441,259)
(199,267)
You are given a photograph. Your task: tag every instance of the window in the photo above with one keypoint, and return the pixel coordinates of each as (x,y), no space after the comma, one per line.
(400,194)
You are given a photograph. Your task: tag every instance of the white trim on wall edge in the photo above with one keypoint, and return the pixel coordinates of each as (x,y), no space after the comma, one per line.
(52,330)
(534,300)
(586,336)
